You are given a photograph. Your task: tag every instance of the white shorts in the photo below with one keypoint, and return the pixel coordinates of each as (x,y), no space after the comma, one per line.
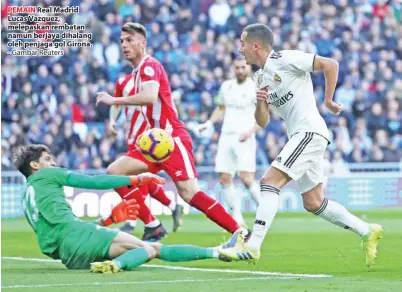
(302,158)
(234,156)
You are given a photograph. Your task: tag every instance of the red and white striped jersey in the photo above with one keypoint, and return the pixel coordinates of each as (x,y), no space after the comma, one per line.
(162,114)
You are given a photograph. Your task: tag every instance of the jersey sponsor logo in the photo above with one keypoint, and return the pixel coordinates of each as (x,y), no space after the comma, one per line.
(278,102)
(149,71)
(277,79)
(279,159)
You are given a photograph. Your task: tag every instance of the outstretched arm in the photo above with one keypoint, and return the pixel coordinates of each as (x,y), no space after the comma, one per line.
(104,182)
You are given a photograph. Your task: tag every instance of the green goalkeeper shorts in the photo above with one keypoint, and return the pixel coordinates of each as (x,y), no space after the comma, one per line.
(84,243)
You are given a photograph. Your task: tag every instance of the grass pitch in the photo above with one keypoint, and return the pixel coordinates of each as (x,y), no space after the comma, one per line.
(307,254)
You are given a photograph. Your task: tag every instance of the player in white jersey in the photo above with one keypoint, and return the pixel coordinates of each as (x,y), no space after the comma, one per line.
(237,143)
(284,85)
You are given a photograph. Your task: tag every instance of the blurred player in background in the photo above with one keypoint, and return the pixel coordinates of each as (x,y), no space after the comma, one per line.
(79,244)
(284,84)
(148,103)
(237,143)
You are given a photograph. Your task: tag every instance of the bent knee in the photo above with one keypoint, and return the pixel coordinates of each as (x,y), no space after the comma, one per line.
(275,177)
(186,195)
(112,169)
(187,189)
(247,180)
(150,251)
(225,179)
(268,180)
(312,205)
(157,247)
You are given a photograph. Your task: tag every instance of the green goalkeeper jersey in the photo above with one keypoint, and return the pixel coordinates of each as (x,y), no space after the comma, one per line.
(46,208)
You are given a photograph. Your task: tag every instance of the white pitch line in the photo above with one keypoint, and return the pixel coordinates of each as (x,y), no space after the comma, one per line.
(240,272)
(261,273)
(144,282)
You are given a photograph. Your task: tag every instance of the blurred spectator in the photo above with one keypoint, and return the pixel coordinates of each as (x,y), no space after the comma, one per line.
(6,163)
(306,44)
(376,119)
(339,166)
(219,13)
(127,9)
(346,95)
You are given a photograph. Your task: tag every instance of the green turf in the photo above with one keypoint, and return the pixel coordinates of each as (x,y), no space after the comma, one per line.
(297,243)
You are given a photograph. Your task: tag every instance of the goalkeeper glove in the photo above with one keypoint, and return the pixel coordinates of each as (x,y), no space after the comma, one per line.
(146,178)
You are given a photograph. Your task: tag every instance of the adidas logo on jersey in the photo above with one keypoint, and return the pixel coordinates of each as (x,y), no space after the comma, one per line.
(279,159)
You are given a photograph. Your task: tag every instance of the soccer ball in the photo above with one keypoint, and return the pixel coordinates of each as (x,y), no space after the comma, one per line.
(156,145)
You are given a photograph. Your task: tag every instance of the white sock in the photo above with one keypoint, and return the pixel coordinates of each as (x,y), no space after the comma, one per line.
(229,191)
(238,217)
(132,223)
(338,215)
(266,211)
(234,201)
(154,223)
(215,252)
(172,205)
(254,190)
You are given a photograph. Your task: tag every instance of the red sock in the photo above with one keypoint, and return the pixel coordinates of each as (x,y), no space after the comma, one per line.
(156,191)
(128,193)
(214,211)
(125,191)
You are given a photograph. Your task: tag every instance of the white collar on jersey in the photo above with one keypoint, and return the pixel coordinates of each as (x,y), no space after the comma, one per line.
(140,64)
(269,56)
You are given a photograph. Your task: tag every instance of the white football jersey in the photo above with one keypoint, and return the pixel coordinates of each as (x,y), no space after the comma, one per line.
(239,101)
(290,90)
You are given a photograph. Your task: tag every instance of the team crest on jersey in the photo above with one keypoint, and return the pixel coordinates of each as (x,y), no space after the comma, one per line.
(149,71)
(277,79)
(259,79)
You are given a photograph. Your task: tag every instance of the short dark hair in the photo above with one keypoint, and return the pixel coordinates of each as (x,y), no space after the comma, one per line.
(26,154)
(259,31)
(134,27)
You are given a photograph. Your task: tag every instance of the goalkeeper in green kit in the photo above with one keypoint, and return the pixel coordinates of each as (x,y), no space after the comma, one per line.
(83,245)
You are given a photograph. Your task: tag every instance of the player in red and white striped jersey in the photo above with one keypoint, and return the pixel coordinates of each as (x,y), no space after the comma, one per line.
(137,123)
(147,98)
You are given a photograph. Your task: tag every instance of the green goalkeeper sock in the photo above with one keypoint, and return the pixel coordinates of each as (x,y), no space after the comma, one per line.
(184,253)
(132,259)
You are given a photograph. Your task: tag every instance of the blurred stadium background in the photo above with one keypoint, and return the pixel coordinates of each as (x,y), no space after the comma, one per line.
(51,100)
